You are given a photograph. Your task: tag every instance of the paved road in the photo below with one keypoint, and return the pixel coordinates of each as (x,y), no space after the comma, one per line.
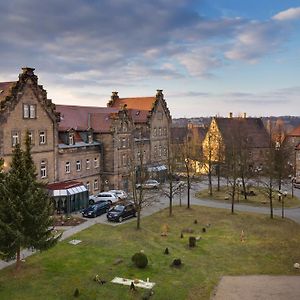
(163,202)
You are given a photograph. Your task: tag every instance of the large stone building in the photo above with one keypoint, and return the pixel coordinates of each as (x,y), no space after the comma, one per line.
(76,146)
(24,107)
(152,122)
(100,150)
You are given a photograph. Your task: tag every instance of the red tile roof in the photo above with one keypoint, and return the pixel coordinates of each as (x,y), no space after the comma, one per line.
(63,185)
(5,89)
(139,116)
(140,103)
(294,132)
(83,117)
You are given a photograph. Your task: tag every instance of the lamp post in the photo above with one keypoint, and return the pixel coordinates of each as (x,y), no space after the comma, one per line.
(281,196)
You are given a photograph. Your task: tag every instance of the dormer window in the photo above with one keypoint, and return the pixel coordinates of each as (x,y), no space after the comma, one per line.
(71,139)
(90,138)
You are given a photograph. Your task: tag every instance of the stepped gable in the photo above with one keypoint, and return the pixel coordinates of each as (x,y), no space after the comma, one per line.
(11,92)
(140,108)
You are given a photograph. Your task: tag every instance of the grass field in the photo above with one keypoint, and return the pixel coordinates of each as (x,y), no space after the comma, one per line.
(270,247)
(260,199)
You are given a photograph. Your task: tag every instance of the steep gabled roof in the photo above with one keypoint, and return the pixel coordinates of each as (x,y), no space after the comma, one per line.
(138,103)
(141,108)
(10,92)
(85,117)
(251,128)
(294,132)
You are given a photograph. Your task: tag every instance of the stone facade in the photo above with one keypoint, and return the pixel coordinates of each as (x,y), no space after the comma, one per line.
(223,132)
(25,107)
(151,134)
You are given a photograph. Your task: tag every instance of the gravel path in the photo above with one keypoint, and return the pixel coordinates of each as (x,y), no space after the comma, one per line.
(261,287)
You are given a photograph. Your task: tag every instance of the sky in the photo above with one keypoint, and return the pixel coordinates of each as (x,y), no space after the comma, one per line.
(210,57)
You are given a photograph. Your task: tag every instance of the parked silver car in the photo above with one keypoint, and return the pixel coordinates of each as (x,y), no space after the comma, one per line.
(121,194)
(108,196)
(148,184)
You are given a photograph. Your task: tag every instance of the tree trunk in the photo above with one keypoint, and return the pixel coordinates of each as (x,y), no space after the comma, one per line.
(188,194)
(271,200)
(218,177)
(18,260)
(232,199)
(171,198)
(138,220)
(244,187)
(210,179)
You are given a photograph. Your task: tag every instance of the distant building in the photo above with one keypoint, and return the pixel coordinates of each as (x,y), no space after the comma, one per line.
(224,132)
(292,140)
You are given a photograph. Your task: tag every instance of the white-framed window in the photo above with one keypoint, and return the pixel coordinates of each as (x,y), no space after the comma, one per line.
(68,167)
(165,151)
(71,139)
(25,111)
(32,111)
(155,151)
(78,165)
(88,186)
(96,185)
(124,160)
(31,137)
(155,131)
(160,131)
(88,164)
(43,169)
(96,162)
(29,111)
(15,136)
(165,131)
(124,141)
(43,137)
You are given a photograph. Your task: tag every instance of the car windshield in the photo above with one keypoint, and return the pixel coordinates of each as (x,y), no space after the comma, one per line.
(119,208)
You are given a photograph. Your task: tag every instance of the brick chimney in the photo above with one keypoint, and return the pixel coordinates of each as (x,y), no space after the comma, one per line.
(230,115)
(159,93)
(28,73)
(244,115)
(114,96)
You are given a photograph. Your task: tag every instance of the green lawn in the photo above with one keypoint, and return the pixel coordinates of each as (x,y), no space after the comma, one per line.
(270,247)
(260,199)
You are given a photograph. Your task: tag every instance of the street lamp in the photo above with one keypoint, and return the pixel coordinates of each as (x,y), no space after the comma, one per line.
(281,196)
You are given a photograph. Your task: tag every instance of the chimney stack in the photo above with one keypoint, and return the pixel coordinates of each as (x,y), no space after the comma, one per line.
(245,115)
(230,115)
(159,93)
(114,96)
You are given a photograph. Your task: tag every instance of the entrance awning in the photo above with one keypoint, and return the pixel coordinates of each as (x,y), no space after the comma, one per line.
(66,188)
(158,168)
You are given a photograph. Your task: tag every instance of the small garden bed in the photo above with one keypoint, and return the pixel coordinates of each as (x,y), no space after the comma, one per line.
(63,220)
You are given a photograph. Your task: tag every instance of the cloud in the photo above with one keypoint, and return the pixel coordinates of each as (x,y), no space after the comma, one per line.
(287,15)
(256,40)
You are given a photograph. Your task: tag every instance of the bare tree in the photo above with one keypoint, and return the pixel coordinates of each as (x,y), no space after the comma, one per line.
(173,187)
(139,175)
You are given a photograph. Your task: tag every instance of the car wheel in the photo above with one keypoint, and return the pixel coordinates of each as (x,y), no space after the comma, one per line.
(110,202)
(120,219)
(91,202)
(94,215)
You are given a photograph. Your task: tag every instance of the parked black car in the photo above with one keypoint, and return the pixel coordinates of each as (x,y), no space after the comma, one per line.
(96,209)
(120,212)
